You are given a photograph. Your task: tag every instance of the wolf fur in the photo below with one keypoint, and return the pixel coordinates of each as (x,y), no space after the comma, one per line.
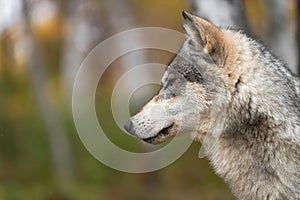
(230,93)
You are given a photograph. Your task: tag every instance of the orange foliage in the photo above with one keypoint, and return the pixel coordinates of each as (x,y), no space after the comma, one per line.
(48,30)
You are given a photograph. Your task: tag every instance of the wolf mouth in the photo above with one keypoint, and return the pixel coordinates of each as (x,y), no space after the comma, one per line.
(160,134)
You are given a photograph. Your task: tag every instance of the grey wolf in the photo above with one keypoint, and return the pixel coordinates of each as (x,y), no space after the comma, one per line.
(240,101)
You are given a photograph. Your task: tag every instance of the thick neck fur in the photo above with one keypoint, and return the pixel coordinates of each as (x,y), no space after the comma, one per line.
(258,153)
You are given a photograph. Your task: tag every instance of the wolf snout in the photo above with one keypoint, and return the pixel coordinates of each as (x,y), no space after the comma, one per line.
(129,127)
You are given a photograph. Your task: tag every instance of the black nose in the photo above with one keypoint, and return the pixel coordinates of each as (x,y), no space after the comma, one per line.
(129,127)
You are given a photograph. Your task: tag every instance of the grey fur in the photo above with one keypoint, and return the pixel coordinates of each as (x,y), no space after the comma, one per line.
(241,102)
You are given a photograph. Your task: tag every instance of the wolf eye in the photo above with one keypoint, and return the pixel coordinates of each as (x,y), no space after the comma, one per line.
(191,42)
(169,95)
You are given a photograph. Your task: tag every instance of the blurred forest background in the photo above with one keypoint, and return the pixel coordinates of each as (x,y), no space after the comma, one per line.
(42,43)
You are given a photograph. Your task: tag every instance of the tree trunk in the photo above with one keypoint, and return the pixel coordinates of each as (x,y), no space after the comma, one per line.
(224,13)
(280,36)
(58,142)
(80,32)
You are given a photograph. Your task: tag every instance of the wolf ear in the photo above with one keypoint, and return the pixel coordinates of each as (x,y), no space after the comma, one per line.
(206,35)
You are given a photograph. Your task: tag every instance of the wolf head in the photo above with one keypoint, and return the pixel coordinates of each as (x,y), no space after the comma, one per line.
(193,88)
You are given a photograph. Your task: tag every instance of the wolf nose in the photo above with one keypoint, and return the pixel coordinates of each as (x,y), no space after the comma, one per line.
(129,127)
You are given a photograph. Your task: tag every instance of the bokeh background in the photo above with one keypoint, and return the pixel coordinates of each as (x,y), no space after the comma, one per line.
(42,43)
